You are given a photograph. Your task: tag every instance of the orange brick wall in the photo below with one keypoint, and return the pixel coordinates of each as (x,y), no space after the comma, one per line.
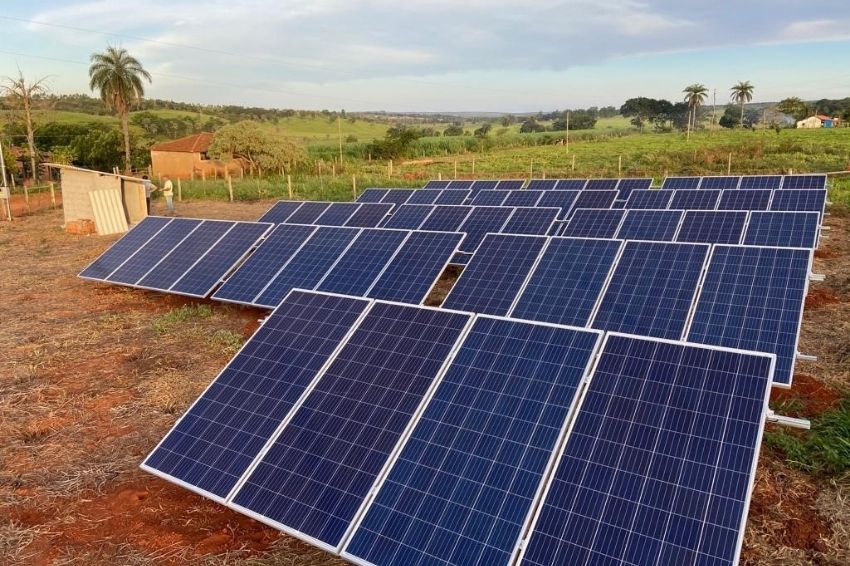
(179,165)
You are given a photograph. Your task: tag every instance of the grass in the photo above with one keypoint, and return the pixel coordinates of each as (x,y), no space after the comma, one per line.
(186,313)
(823,450)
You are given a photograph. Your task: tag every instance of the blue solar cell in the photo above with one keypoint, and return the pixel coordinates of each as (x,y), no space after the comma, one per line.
(460,184)
(120,251)
(765,182)
(464,483)
(619,204)
(752,298)
(523,198)
(495,274)
(804,182)
(215,441)
(261,267)
(571,184)
(537,221)
(702,199)
(712,227)
(408,216)
(184,255)
(652,289)
(372,195)
(308,213)
(655,200)
(446,218)
(655,225)
(680,183)
(659,463)
(542,184)
(482,220)
(460,258)
(783,229)
(337,214)
(602,184)
(280,211)
(595,199)
(490,198)
(559,199)
(753,199)
(626,186)
(720,183)
(435,184)
(211,269)
(369,215)
(510,184)
(479,186)
(363,262)
(594,223)
(416,267)
(320,469)
(802,200)
(424,196)
(453,196)
(150,254)
(397,196)
(565,285)
(309,264)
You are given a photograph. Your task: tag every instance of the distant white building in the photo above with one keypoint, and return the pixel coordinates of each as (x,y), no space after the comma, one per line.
(818,121)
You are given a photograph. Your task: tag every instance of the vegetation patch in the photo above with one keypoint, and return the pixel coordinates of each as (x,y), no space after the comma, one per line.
(186,313)
(823,450)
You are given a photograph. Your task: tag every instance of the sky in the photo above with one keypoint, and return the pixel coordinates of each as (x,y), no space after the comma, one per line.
(438,55)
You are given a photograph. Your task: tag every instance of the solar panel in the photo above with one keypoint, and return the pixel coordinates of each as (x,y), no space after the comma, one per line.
(542,184)
(121,250)
(308,213)
(465,481)
(804,182)
(453,196)
(602,184)
(309,264)
(565,285)
(321,467)
(210,270)
(281,210)
(652,289)
(764,182)
(363,261)
(397,196)
(460,184)
(424,196)
(510,184)
(537,221)
(481,220)
(408,216)
(626,186)
(595,199)
(654,225)
(495,274)
(559,199)
(261,267)
(795,200)
(679,183)
(593,223)
(745,200)
(372,195)
(215,441)
(752,298)
(523,198)
(783,229)
(435,184)
(418,264)
(659,464)
(150,254)
(702,199)
(183,256)
(655,200)
(490,198)
(571,184)
(720,183)
(485,185)
(337,214)
(446,218)
(460,258)
(619,204)
(712,227)
(369,215)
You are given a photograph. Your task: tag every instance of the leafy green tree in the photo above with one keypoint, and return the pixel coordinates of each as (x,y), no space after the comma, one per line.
(251,142)
(455,129)
(99,149)
(483,130)
(396,142)
(742,92)
(508,120)
(730,118)
(531,125)
(794,107)
(579,120)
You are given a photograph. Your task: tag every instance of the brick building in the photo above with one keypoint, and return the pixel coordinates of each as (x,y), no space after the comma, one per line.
(187,157)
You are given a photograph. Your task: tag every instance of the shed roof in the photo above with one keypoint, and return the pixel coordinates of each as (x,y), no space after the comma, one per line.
(196,143)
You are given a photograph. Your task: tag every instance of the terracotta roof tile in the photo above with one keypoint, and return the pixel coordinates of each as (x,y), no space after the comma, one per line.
(196,143)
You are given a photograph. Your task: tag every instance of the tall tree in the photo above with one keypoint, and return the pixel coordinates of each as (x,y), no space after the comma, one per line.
(741,94)
(21,94)
(118,76)
(695,95)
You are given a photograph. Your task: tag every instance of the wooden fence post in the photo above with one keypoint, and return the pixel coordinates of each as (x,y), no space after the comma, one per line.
(52,195)
(230,188)
(439,176)
(354,185)
(473,167)
(531,170)
(289,185)
(620,166)
(179,191)
(455,168)
(241,173)
(729,165)
(574,163)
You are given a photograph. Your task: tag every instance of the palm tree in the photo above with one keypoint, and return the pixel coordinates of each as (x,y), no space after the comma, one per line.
(741,94)
(695,95)
(118,76)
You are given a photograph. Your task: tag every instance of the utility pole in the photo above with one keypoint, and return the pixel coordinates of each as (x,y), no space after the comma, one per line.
(7,196)
(714,110)
(568,131)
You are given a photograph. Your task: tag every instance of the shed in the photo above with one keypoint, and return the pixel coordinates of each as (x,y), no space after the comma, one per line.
(184,158)
(818,121)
